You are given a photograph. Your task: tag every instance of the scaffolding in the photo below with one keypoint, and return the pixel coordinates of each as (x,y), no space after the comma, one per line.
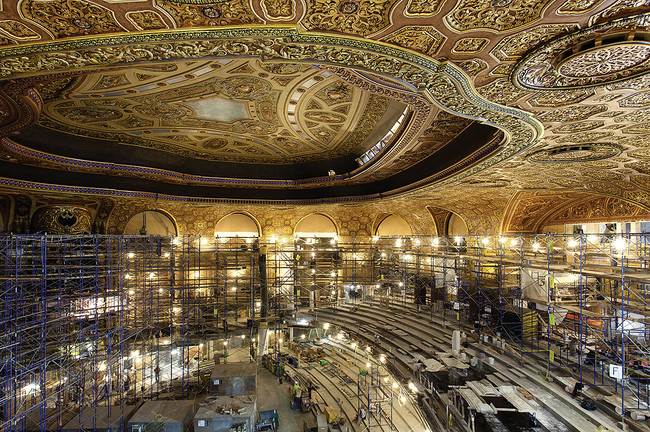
(375,398)
(93,321)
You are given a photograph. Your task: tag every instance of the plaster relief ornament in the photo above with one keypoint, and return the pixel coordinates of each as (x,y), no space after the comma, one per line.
(598,55)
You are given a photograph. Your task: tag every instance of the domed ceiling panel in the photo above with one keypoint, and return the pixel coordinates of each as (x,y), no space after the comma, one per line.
(226,110)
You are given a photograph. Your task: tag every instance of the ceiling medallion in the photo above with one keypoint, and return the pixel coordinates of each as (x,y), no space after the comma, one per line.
(576,153)
(606,60)
(598,55)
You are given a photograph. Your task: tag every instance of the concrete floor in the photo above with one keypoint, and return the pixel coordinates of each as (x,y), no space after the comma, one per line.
(272,395)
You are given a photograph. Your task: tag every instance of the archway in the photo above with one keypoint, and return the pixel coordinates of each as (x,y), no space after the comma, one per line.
(456,226)
(393,225)
(237,225)
(316,225)
(151,222)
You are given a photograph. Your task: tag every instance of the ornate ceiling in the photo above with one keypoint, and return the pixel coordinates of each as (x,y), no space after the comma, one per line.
(225,110)
(459,105)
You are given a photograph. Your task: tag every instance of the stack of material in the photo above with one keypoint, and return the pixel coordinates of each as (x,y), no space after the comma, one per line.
(234,379)
(433,365)
(451,361)
(331,415)
(163,416)
(483,388)
(315,354)
(474,402)
(101,418)
(227,413)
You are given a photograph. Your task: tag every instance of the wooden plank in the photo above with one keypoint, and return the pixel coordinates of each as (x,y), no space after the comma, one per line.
(512,395)
(495,380)
(475,402)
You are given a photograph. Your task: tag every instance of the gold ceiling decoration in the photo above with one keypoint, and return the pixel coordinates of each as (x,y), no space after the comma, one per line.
(423,7)
(146,20)
(63,18)
(357,17)
(444,84)
(513,47)
(208,14)
(470,45)
(560,97)
(279,9)
(578,6)
(17,30)
(576,153)
(579,68)
(220,110)
(578,126)
(423,39)
(595,56)
(495,15)
(474,66)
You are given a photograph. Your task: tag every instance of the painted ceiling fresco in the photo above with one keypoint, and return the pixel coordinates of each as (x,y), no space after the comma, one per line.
(182,92)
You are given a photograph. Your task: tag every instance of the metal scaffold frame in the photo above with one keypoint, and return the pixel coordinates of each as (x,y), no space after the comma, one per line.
(375,397)
(92,321)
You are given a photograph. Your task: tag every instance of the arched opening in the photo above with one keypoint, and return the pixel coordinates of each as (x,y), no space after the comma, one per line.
(237,225)
(151,222)
(394,225)
(456,226)
(315,225)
